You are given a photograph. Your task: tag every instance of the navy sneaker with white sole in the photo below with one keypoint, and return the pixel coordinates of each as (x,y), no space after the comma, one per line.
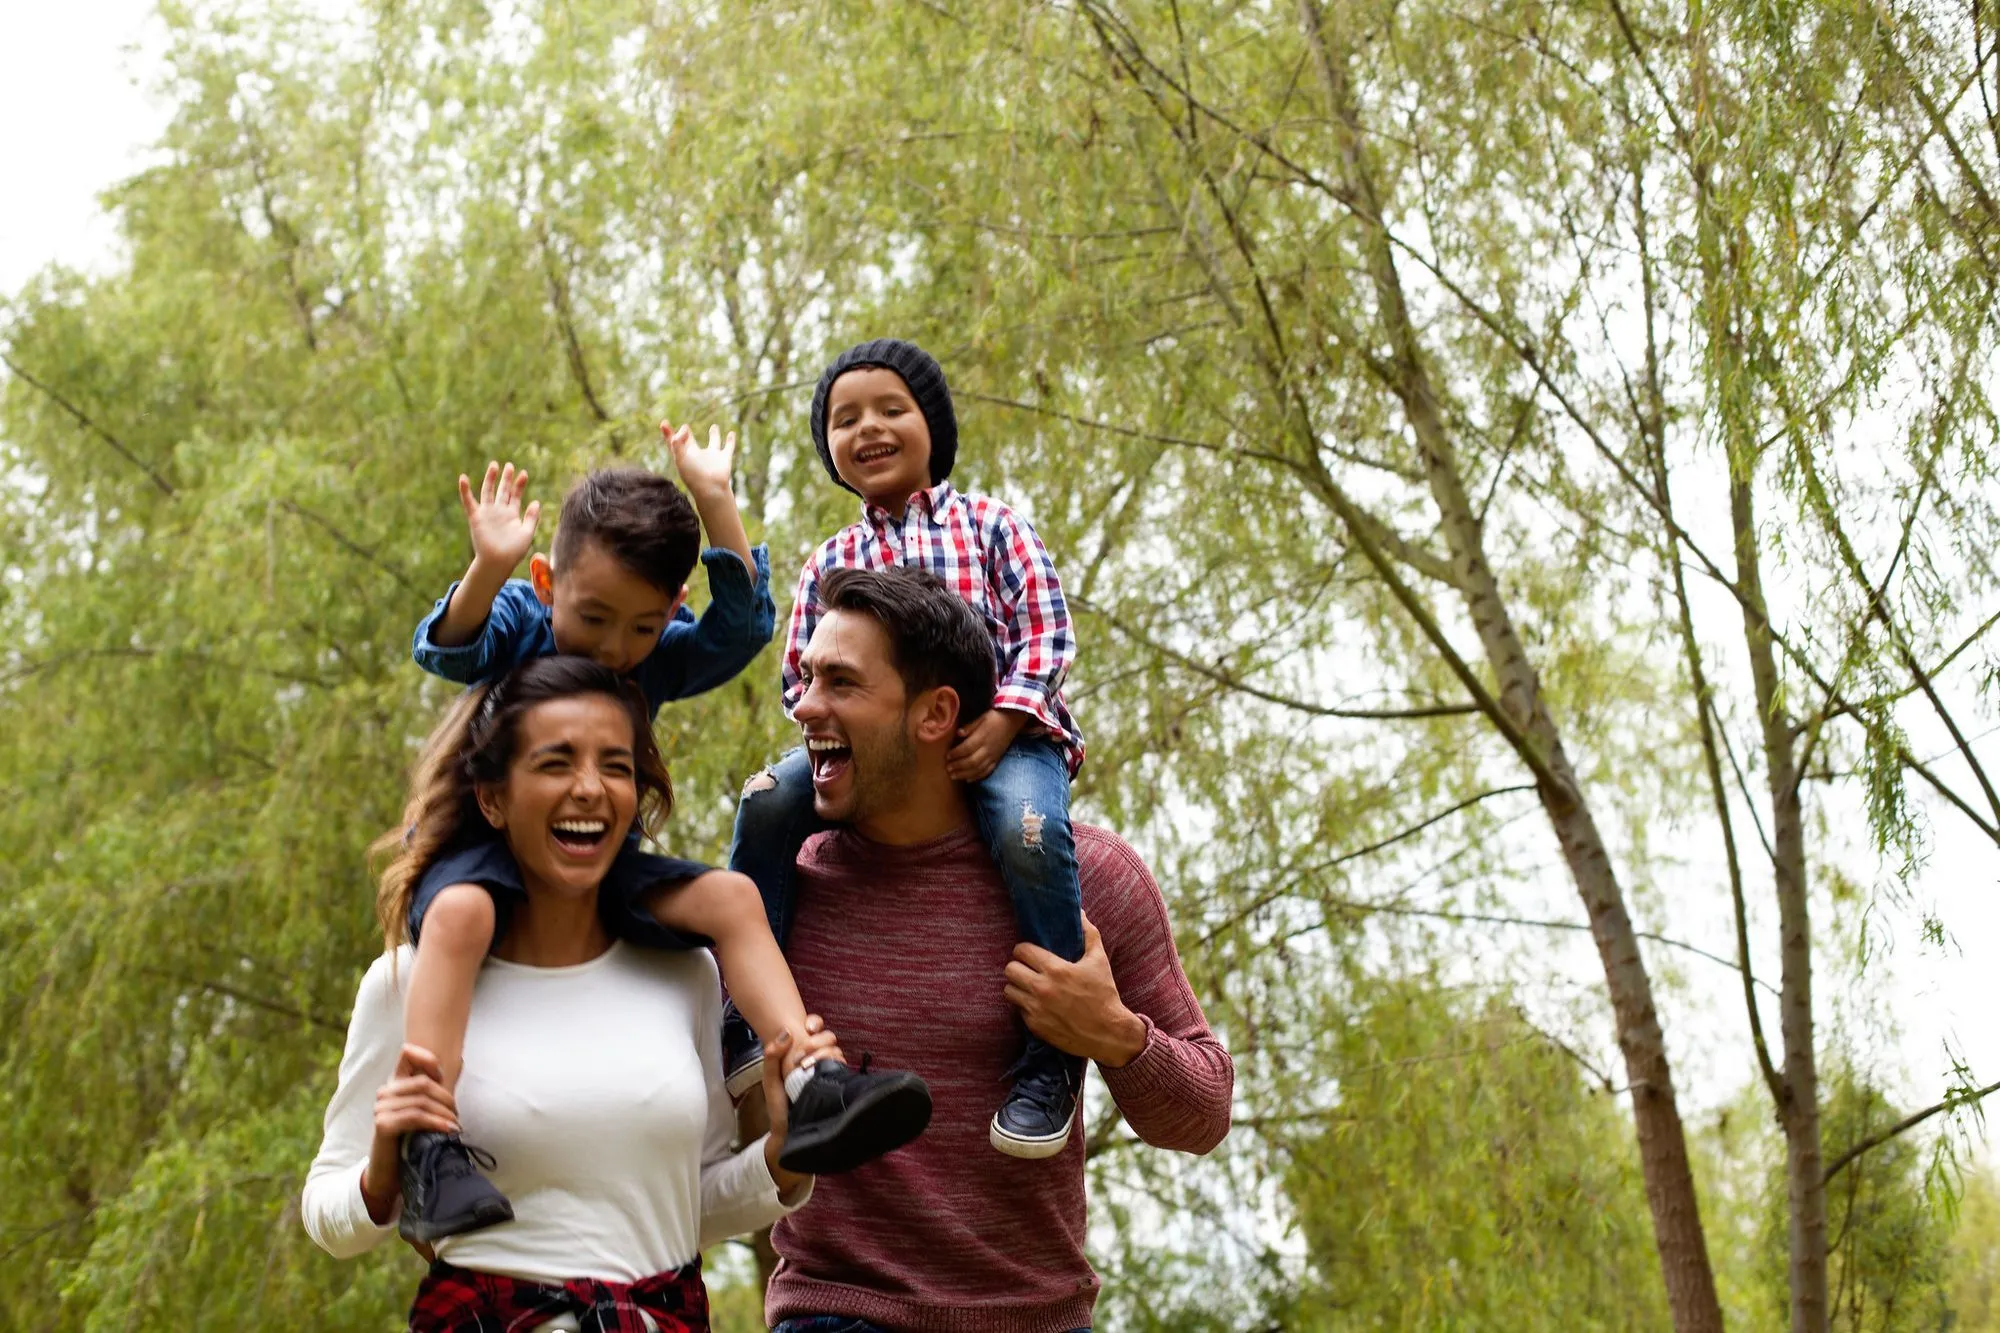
(1035,1120)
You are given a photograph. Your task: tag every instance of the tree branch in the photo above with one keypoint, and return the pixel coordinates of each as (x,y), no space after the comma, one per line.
(83,419)
(1906,1124)
(1232,682)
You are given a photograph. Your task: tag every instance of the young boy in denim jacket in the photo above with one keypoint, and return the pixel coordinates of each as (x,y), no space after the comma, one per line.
(625,544)
(883,423)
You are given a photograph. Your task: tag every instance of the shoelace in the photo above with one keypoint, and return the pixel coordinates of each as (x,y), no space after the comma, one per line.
(451,1156)
(1046,1088)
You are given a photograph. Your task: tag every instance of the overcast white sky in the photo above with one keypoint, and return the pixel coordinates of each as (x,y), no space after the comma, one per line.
(79,119)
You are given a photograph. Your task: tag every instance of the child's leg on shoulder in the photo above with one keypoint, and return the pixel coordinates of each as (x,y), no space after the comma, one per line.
(774,818)
(664,902)
(1022,808)
(457,934)
(725,907)
(453,918)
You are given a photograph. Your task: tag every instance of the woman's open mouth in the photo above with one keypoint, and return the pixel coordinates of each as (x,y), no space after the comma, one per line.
(579,839)
(830,759)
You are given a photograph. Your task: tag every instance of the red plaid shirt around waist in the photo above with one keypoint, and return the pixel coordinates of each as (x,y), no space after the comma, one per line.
(458,1300)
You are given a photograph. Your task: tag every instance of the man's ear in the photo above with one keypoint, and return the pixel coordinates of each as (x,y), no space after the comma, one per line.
(542,575)
(937,716)
(489,805)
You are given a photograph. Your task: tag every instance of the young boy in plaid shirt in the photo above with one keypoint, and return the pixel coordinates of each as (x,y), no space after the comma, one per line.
(883,424)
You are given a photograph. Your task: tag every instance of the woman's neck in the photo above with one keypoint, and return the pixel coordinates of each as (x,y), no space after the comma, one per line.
(551,930)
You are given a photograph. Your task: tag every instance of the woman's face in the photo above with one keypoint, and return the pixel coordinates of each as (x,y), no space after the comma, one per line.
(570,794)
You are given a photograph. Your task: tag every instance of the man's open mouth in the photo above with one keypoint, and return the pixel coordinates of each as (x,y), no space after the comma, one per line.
(580,837)
(829,757)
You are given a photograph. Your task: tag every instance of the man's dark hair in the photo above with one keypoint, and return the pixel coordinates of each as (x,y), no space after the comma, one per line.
(935,638)
(640,519)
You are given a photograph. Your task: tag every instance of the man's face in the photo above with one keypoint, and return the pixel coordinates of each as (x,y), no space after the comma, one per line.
(856,716)
(601,610)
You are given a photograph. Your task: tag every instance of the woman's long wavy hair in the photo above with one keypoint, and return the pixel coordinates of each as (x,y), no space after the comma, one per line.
(474,747)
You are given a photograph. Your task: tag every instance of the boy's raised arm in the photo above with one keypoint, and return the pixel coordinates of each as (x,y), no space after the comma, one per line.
(502,533)
(705,471)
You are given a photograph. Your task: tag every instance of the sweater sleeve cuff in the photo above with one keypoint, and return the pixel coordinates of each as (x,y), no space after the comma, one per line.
(1150,1073)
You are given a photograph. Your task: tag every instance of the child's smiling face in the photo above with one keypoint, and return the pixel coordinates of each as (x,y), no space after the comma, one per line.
(880,442)
(601,610)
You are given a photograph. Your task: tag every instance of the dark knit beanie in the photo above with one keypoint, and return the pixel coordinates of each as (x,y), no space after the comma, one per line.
(926,380)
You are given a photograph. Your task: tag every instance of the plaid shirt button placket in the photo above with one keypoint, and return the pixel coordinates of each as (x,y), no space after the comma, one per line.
(950,535)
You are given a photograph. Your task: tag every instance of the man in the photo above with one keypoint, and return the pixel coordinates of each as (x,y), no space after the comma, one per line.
(904,934)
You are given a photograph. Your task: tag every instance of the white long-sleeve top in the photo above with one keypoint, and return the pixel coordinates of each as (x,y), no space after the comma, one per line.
(598,1090)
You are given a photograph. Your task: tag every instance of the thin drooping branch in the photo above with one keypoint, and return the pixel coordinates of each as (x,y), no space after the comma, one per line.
(1297,874)
(1112,428)
(558,286)
(1908,1123)
(1653,431)
(84,420)
(349,543)
(1230,681)
(37,667)
(245,997)
(1483,918)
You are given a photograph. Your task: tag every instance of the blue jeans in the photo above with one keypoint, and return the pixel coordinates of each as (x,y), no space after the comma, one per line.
(1022,808)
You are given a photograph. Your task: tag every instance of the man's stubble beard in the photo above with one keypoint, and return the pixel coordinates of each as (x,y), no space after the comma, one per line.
(882,781)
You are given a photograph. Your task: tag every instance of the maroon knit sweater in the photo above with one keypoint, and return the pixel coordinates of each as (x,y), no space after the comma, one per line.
(903,949)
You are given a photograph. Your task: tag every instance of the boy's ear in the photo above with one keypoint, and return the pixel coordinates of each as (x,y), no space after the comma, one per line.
(680,600)
(937,716)
(542,575)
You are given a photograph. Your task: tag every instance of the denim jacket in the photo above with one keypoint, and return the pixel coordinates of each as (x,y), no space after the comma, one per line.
(693,655)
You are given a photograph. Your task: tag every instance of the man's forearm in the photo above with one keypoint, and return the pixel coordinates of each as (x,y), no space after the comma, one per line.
(471,603)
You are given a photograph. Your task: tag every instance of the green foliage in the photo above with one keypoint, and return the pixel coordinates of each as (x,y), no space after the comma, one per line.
(1468,1177)
(380,250)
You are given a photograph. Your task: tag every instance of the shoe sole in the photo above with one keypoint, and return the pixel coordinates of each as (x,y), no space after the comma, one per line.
(745,1077)
(1032,1148)
(882,1120)
(489,1214)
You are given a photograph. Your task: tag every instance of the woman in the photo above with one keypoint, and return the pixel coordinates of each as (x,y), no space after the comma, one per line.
(593,1077)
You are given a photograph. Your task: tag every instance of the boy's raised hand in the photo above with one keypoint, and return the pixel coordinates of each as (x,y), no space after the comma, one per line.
(705,469)
(502,532)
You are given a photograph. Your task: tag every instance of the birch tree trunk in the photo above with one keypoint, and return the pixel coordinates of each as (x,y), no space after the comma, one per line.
(1670,1193)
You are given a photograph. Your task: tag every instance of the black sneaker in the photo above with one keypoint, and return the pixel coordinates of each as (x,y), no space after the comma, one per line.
(443,1192)
(742,1053)
(1035,1119)
(844,1118)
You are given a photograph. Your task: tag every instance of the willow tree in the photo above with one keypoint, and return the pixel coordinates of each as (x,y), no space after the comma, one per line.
(373,255)
(1274,321)
(1461,301)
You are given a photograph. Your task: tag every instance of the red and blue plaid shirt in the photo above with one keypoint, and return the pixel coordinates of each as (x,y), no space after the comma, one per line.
(458,1300)
(991,557)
